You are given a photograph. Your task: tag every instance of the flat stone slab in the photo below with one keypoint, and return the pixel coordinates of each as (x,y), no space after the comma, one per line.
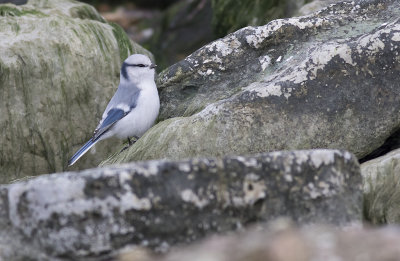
(159,204)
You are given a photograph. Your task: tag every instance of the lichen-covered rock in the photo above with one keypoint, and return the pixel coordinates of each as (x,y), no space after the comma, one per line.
(381,178)
(161,203)
(281,241)
(59,66)
(328,80)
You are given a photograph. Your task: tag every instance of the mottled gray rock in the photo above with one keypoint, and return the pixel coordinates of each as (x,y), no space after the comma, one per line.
(381,178)
(328,80)
(59,66)
(162,203)
(281,241)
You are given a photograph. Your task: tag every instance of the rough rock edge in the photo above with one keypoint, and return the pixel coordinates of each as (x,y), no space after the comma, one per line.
(254,38)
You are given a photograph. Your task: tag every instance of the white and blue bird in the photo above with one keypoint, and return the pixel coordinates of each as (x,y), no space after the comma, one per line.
(133,108)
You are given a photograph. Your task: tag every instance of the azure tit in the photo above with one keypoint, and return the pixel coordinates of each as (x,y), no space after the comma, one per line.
(133,108)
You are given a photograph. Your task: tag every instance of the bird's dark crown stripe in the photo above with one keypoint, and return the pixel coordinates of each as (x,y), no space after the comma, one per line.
(124,71)
(136,64)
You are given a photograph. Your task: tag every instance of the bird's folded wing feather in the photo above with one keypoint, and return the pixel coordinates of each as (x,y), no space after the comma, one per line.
(112,117)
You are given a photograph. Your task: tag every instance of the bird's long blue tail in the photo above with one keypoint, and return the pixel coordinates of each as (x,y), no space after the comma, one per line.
(82,151)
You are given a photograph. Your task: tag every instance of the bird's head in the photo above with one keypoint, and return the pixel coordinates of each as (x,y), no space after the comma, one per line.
(136,68)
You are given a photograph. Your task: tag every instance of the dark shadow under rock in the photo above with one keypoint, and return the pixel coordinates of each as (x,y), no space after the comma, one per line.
(15,2)
(392,143)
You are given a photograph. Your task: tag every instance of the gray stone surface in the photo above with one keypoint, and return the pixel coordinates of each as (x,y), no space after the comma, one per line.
(59,66)
(158,204)
(328,80)
(381,182)
(281,241)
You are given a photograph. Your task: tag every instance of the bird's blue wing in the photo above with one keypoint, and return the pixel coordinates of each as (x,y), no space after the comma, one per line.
(113,116)
(124,98)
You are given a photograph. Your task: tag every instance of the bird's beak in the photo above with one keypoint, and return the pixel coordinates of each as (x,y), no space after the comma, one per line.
(152,66)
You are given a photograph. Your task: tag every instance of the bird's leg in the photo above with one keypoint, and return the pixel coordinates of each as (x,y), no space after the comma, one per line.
(130,142)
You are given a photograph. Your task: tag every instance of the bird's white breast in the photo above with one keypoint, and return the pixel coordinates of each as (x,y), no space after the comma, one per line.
(142,117)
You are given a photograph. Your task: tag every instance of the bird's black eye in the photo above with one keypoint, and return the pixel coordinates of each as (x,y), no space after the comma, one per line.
(141,65)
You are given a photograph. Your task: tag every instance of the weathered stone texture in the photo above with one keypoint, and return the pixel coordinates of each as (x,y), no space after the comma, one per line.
(162,203)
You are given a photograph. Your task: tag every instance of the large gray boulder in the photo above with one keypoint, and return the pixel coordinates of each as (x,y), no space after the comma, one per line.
(59,66)
(158,204)
(328,80)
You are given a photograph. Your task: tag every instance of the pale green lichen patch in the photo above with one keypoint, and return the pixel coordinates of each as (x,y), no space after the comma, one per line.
(124,43)
(9,10)
(85,11)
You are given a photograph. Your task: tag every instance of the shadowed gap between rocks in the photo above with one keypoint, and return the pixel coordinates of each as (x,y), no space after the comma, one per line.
(15,2)
(390,144)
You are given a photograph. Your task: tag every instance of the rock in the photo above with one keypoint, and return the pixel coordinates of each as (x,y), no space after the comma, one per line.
(381,178)
(280,241)
(231,15)
(328,80)
(59,66)
(390,144)
(162,203)
(315,6)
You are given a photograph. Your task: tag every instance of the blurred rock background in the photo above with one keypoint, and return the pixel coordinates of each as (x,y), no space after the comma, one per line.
(173,29)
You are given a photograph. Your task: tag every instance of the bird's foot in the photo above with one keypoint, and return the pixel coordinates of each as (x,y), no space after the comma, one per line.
(130,143)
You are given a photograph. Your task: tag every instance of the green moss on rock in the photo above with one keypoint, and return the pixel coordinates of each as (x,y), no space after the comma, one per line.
(7,10)
(85,11)
(124,43)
